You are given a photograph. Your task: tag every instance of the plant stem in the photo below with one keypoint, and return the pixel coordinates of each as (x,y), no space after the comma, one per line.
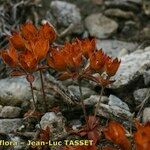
(31,86)
(43,91)
(99,101)
(82,101)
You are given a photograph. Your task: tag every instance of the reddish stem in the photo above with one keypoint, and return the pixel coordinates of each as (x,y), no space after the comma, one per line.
(32,92)
(99,101)
(82,101)
(43,91)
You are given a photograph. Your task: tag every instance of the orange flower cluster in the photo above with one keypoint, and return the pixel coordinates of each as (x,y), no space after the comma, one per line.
(72,60)
(142,136)
(79,59)
(28,47)
(115,132)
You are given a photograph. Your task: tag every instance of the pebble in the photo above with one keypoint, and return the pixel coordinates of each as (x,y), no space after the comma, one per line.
(100,26)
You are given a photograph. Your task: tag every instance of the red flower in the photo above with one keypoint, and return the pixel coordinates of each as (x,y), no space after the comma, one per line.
(87,46)
(28,47)
(27,61)
(28,31)
(67,58)
(97,61)
(17,41)
(116,133)
(142,136)
(111,66)
(10,56)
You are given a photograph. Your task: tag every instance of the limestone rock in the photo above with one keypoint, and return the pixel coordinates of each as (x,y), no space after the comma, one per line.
(86,92)
(14,91)
(146,76)
(114,47)
(55,122)
(118,13)
(115,101)
(10,112)
(8,125)
(93,99)
(66,14)
(146,115)
(100,26)
(132,67)
(140,95)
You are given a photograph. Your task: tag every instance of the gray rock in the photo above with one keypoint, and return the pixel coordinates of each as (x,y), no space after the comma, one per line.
(1,107)
(140,95)
(146,115)
(147,48)
(98,2)
(122,52)
(14,91)
(146,6)
(121,4)
(86,92)
(114,112)
(130,30)
(131,68)
(76,124)
(55,122)
(135,1)
(114,47)
(66,14)
(145,33)
(18,140)
(8,125)
(93,99)
(10,112)
(115,101)
(118,13)
(100,26)
(146,76)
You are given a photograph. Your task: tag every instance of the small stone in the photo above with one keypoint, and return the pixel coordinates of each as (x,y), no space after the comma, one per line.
(114,112)
(146,7)
(86,92)
(122,4)
(66,14)
(145,33)
(1,107)
(135,1)
(132,67)
(76,124)
(146,115)
(130,30)
(146,76)
(98,2)
(18,140)
(118,13)
(115,101)
(10,112)
(13,91)
(114,47)
(9,125)
(147,48)
(93,99)
(100,26)
(140,95)
(123,52)
(55,122)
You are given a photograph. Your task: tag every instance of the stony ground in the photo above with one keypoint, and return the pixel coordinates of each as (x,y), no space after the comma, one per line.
(121,28)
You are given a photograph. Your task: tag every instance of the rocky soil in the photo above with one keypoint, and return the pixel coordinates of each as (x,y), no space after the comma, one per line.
(121,29)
